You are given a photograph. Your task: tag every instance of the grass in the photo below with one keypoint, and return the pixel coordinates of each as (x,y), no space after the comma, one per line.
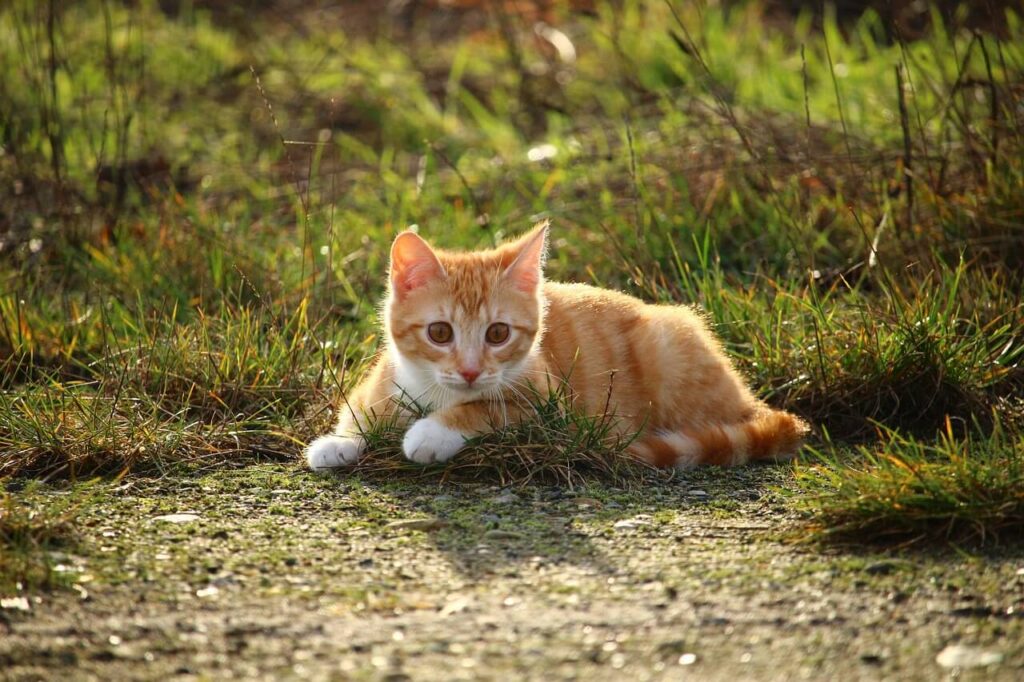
(558,445)
(955,490)
(196,213)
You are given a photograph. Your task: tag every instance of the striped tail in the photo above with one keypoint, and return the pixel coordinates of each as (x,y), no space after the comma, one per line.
(770,435)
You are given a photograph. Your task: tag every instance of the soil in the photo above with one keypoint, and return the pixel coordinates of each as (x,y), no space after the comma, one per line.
(269,572)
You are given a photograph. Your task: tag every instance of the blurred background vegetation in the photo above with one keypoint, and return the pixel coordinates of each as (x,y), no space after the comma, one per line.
(196,201)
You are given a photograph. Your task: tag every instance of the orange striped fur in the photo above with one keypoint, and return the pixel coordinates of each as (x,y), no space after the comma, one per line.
(656,367)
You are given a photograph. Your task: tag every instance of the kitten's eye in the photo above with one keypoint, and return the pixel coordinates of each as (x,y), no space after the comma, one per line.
(440,332)
(497,333)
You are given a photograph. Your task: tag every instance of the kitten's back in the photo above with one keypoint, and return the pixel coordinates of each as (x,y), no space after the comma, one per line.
(662,364)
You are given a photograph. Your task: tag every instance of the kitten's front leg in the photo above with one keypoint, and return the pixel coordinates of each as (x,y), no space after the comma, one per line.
(372,399)
(438,437)
(428,440)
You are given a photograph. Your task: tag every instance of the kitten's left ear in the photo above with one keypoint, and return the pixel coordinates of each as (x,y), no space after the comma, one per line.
(527,270)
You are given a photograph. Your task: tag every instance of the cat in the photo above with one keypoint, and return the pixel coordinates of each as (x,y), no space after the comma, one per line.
(468,334)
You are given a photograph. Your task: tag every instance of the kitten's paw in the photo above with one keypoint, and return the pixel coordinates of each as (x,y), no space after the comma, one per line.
(328,452)
(428,440)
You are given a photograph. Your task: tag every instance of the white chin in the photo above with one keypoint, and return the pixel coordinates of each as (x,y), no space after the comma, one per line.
(469,393)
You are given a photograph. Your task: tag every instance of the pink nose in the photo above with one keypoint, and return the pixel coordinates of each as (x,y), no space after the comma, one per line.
(469,375)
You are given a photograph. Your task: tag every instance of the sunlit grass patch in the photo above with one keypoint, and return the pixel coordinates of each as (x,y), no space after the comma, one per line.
(907,351)
(145,393)
(942,347)
(80,430)
(907,490)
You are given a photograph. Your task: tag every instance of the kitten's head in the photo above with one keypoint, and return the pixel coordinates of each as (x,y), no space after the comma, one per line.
(463,324)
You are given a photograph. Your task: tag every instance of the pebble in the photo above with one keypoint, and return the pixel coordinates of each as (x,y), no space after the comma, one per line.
(455,605)
(627,524)
(177,518)
(507,498)
(417,524)
(697,493)
(961,656)
(16,603)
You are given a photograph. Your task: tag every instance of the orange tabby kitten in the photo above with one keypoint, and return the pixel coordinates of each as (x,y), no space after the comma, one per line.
(467,333)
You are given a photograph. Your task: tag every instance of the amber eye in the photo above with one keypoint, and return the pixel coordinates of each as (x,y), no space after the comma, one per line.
(497,333)
(440,332)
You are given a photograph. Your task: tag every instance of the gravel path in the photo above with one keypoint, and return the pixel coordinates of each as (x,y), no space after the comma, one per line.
(272,573)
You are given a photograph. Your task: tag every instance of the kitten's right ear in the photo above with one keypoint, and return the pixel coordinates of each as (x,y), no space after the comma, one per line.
(413,264)
(527,270)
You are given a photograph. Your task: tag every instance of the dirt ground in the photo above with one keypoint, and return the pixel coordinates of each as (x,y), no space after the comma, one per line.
(269,572)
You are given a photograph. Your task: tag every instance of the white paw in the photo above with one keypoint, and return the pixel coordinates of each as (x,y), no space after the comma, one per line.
(428,440)
(328,452)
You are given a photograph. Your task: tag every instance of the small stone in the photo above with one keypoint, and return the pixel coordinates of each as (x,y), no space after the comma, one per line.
(456,605)
(15,603)
(697,493)
(506,498)
(687,659)
(628,524)
(961,656)
(417,524)
(207,592)
(183,517)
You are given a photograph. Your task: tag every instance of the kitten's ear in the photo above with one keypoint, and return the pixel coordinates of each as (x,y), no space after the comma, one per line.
(413,264)
(527,270)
